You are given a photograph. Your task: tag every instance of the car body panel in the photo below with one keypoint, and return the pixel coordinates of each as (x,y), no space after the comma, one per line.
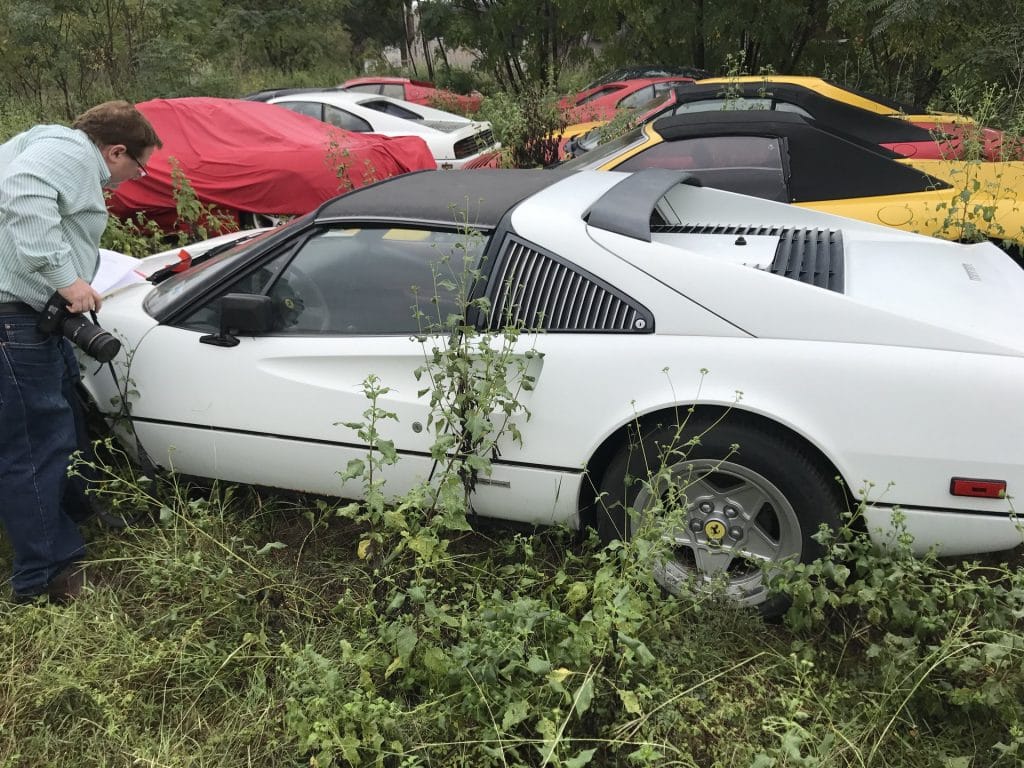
(902,378)
(954,534)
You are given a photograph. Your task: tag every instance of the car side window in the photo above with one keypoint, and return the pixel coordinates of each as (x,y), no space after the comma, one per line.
(750,165)
(365,88)
(390,108)
(637,98)
(312,109)
(723,104)
(375,281)
(740,102)
(598,94)
(785,106)
(256,281)
(339,118)
(394,90)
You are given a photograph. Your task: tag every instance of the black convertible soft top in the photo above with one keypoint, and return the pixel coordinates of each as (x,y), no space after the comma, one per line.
(869,126)
(824,163)
(477,198)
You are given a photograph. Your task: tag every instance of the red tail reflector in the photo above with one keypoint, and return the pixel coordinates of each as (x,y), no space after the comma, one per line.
(986,489)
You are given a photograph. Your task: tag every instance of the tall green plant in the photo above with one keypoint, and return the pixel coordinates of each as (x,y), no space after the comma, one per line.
(529,125)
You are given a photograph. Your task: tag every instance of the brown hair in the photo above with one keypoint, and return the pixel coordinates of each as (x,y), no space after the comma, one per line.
(118,122)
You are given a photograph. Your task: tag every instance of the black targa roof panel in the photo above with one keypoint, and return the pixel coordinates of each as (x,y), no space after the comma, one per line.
(478,198)
(824,164)
(869,126)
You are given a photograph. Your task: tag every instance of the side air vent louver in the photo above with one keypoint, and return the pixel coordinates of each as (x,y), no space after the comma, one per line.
(536,291)
(716,229)
(812,256)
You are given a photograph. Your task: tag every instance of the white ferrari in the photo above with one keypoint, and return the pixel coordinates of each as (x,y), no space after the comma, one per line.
(821,361)
(454,140)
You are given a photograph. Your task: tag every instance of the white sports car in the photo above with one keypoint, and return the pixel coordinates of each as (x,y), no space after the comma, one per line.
(888,360)
(455,141)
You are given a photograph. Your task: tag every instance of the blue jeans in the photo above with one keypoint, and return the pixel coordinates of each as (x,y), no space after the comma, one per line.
(37,437)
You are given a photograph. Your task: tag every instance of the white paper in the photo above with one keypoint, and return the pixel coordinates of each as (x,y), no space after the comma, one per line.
(116,270)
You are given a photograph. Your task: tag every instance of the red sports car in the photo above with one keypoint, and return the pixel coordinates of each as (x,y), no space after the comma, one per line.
(416,91)
(254,161)
(602,102)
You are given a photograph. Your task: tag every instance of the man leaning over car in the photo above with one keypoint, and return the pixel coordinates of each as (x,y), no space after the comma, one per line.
(52,214)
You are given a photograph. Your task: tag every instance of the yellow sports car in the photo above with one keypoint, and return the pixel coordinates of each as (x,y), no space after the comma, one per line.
(951,129)
(832,91)
(786,157)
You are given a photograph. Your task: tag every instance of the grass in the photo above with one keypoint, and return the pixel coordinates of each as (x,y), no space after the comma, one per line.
(243,629)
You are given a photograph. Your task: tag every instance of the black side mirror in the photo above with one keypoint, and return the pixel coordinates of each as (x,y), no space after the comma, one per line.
(242,313)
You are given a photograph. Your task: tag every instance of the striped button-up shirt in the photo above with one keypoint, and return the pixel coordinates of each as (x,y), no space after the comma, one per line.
(52,212)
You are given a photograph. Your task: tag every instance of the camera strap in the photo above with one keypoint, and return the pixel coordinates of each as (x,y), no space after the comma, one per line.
(124,413)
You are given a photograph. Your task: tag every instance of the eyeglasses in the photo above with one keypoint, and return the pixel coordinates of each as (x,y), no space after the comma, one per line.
(142,168)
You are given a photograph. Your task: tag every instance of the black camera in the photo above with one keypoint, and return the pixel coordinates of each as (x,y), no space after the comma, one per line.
(78,329)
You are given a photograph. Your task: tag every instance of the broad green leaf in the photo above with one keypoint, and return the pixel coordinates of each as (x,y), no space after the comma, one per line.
(584,695)
(269,547)
(581,759)
(630,702)
(515,713)
(423,545)
(538,666)
(406,641)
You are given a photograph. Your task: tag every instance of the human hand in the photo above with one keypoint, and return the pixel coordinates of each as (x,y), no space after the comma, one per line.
(81,297)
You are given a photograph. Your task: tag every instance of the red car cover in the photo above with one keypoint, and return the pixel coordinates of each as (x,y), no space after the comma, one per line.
(248,156)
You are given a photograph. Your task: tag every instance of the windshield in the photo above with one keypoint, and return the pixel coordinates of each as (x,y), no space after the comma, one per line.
(597,156)
(650,108)
(642,114)
(208,268)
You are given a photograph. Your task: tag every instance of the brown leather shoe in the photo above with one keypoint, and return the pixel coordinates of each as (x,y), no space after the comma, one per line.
(67,585)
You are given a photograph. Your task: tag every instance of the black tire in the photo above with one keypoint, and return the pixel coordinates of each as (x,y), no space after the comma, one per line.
(735,495)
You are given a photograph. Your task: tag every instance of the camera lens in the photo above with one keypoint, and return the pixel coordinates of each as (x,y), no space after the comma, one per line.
(90,338)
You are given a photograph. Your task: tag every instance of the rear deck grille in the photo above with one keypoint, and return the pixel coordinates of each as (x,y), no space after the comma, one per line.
(538,292)
(813,256)
(472,144)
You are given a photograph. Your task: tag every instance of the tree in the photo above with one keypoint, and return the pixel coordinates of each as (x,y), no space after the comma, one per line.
(907,50)
(374,25)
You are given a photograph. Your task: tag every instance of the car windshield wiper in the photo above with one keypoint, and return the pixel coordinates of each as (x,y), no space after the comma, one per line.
(186,263)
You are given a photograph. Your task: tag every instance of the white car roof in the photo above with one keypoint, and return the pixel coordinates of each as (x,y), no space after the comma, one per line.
(355,101)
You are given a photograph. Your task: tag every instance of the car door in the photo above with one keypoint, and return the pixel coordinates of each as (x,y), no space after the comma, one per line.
(349,303)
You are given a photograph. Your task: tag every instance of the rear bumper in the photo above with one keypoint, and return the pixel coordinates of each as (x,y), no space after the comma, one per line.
(490,159)
(950,532)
